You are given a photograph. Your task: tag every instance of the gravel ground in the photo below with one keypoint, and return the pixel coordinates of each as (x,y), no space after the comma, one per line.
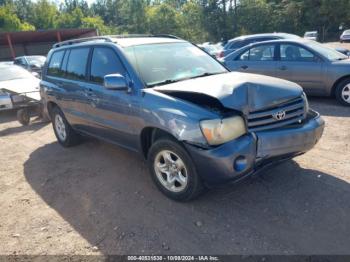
(97,198)
(338,44)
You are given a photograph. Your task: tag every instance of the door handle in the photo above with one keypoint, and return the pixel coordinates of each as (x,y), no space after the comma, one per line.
(283,68)
(244,66)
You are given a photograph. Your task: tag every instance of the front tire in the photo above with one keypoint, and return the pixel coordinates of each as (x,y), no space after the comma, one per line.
(173,170)
(65,134)
(342,92)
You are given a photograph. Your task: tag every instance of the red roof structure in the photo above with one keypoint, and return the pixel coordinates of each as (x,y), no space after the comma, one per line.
(39,42)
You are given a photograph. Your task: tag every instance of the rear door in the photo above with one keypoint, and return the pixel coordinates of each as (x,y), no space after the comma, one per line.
(73,84)
(259,59)
(300,65)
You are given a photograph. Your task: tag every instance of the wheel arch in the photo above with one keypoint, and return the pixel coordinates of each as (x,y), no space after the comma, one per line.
(50,106)
(337,82)
(151,134)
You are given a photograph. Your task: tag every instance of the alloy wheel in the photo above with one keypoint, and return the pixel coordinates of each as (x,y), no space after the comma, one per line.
(171,171)
(60,128)
(345,94)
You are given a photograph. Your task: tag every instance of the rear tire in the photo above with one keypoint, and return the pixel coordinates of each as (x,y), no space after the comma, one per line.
(342,92)
(173,171)
(65,134)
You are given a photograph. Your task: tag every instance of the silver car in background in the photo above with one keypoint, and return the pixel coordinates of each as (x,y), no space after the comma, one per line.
(33,63)
(320,70)
(241,41)
(311,35)
(345,36)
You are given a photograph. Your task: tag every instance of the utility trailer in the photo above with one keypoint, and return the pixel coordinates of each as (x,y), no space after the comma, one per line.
(26,102)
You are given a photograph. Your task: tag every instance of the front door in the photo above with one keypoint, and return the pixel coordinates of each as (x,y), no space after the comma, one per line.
(110,111)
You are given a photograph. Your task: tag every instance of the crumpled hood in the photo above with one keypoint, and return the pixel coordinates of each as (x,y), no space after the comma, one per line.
(240,91)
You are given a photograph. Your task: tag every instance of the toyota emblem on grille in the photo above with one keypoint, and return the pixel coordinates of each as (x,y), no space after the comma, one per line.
(280,115)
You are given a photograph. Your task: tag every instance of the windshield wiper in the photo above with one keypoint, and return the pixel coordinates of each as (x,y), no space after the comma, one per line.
(165,82)
(205,74)
(170,81)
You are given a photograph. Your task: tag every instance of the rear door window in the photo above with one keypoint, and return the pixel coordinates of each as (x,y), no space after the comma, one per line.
(294,53)
(104,62)
(54,68)
(77,61)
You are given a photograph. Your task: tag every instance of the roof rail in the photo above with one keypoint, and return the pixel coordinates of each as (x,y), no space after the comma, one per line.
(143,35)
(167,36)
(129,35)
(109,38)
(81,40)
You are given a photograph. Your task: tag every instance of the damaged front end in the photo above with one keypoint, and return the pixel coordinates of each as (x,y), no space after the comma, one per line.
(278,124)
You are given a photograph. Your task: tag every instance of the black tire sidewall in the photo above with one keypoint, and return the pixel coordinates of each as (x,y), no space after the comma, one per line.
(23,116)
(194,185)
(339,89)
(71,136)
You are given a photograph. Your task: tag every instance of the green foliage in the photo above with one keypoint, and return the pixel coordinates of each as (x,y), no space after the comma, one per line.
(44,14)
(95,22)
(9,21)
(195,20)
(162,19)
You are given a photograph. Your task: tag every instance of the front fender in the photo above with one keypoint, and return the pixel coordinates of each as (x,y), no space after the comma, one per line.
(175,116)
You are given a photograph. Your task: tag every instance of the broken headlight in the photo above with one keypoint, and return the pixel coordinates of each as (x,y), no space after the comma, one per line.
(306,103)
(219,131)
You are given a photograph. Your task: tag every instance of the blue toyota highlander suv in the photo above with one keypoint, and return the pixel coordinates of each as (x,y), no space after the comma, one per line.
(197,124)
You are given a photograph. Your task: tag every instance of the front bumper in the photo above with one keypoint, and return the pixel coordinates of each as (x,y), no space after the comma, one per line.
(248,154)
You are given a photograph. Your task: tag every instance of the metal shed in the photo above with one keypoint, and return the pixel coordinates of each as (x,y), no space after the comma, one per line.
(13,44)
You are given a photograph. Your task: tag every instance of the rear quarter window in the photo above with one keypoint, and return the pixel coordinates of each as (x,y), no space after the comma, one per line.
(54,68)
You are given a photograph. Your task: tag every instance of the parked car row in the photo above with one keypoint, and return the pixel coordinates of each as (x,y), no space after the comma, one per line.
(313,35)
(219,50)
(196,123)
(318,69)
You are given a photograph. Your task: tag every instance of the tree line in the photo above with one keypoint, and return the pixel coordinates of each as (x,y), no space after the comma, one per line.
(194,20)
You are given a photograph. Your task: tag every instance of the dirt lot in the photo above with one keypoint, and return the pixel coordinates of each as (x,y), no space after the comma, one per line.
(338,44)
(98,198)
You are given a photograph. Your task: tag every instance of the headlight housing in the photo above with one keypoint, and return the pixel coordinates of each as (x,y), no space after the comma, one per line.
(219,131)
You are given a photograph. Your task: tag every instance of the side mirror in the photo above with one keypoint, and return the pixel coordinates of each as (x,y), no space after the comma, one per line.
(115,82)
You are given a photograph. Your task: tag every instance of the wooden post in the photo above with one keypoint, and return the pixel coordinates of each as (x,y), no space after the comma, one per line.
(10,45)
(58,35)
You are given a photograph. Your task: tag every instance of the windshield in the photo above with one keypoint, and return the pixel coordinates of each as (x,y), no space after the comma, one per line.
(40,60)
(327,52)
(171,62)
(14,72)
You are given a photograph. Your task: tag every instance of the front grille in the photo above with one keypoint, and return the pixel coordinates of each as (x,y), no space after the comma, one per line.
(264,119)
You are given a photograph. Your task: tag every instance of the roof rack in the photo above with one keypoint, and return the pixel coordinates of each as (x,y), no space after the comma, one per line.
(109,38)
(143,35)
(81,40)
(167,36)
